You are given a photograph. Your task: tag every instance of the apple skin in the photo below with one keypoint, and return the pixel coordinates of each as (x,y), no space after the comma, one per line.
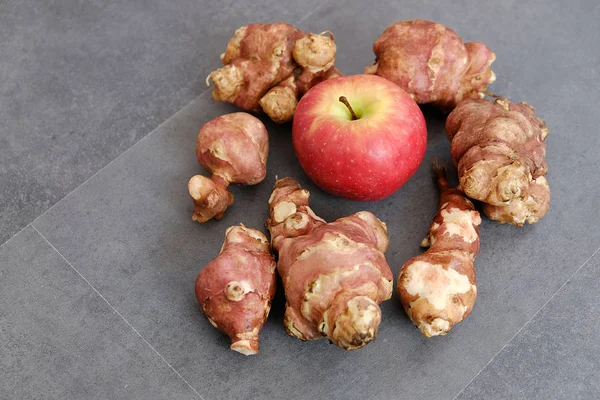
(366,159)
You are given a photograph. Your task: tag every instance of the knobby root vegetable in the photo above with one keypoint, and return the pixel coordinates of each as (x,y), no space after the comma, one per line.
(499,149)
(234,148)
(269,66)
(438,288)
(236,288)
(431,62)
(334,274)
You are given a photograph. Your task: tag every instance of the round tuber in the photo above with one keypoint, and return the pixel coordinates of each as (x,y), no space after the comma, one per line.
(235,289)
(431,62)
(234,148)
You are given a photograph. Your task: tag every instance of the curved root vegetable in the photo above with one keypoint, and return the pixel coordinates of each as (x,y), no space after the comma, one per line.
(234,148)
(334,274)
(431,62)
(268,66)
(236,288)
(499,150)
(438,287)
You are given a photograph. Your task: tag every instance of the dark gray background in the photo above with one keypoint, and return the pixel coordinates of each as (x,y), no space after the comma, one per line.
(100,103)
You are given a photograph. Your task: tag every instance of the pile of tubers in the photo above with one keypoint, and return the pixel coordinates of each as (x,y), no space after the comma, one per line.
(335,275)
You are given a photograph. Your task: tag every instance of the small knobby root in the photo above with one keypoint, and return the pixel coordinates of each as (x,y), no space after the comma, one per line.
(274,56)
(239,307)
(234,149)
(437,288)
(499,149)
(210,196)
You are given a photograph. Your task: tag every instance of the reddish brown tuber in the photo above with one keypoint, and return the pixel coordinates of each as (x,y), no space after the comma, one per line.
(431,62)
(499,150)
(235,290)
(438,288)
(269,66)
(234,148)
(334,274)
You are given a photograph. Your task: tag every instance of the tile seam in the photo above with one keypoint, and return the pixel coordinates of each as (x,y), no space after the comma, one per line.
(527,323)
(118,157)
(141,139)
(118,313)
(15,235)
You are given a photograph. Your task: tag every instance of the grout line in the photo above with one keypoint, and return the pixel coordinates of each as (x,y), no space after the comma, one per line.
(150,133)
(120,155)
(13,236)
(528,322)
(310,14)
(320,6)
(117,312)
(147,135)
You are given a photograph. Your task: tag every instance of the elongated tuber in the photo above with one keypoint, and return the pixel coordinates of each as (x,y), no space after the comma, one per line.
(269,66)
(499,149)
(334,274)
(234,148)
(438,288)
(431,62)
(236,288)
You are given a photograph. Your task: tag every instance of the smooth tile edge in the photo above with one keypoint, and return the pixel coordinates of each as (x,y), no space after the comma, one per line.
(207,90)
(503,348)
(111,306)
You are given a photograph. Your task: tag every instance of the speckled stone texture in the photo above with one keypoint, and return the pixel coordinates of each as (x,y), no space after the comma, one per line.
(81,81)
(60,340)
(128,229)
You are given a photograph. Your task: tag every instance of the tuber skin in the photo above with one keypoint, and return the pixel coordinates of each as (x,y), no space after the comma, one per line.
(234,148)
(235,290)
(438,288)
(499,149)
(431,62)
(269,66)
(334,274)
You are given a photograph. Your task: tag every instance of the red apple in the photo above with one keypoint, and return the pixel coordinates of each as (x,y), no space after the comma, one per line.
(365,149)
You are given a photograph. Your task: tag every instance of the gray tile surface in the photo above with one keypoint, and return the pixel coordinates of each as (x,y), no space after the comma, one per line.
(81,81)
(60,340)
(557,354)
(128,230)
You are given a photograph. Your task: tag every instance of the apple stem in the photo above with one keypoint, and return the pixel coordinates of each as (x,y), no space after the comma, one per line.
(344,100)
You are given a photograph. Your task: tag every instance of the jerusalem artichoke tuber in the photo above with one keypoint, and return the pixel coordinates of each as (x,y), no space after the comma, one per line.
(334,274)
(236,288)
(268,66)
(499,150)
(431,62)
(234,148)
(438,288)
